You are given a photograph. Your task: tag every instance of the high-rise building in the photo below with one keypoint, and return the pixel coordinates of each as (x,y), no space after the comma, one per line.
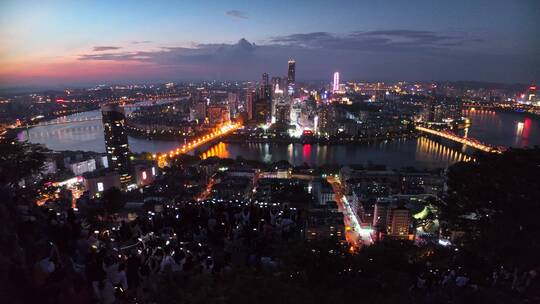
(335,86)
(249,105)
(291,76)
(233,103)
(398,220)
(380,214)
(532,96)
(266,91)
(282,109)
(262,112)
(276,84)
(218,114)
(200,111)
(441,109)
(116,142)
(326,121)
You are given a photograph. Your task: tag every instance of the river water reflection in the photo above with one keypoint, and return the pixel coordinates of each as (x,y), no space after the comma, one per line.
(504,129)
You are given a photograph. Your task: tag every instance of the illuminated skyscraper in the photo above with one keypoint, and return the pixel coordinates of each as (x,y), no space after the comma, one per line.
(249,104)
(281,109)
(116,142)
(326,121)
(291,76)
(266,91)
(276,84)
(233,103)
(200,110)
(335,87)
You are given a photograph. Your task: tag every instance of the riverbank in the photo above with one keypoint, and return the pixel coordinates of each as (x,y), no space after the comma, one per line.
(55,115)
(175,135)
(418,151)
(522,113)
(238,139)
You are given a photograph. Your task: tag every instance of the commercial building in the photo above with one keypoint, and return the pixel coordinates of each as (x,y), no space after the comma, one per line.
(391,220)
(266,90)
(97,181)
(116,142)
(262,111)
(78,168)
(335,85)
(324,192)
(327,122)
(232,100)
(218,115)
(278,85)
(380,215)
(233,187)
(145,173)
(199,111)
(437,110)
(398,222)
(249,105)
(291,74)
(49,167)
(282,109)
(532,95)
(323,224)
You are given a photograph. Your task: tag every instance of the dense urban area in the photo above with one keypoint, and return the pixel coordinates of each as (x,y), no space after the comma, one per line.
(269,152)
(186,226)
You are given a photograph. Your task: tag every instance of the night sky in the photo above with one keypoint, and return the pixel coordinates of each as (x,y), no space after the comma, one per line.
(90,42)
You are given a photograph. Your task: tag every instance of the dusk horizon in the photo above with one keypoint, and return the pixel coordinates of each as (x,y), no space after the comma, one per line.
(269,152)
(65,43)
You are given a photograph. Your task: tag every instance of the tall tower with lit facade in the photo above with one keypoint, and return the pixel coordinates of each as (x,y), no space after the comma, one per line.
(266,91)
(116,142)
(335,86)
(276,84)
(249,104)
(291,74)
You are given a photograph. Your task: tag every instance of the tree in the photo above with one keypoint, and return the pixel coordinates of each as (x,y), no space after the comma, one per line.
(186,160)
(19,160)
(497,198)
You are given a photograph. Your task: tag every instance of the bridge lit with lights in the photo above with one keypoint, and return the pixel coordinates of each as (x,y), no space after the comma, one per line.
(61,121)
(197,142)
(466,141)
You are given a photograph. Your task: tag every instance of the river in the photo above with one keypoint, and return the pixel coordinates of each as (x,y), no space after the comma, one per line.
(495,128)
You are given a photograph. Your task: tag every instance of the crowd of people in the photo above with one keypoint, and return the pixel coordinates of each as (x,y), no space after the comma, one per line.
(446,284)
(61,257)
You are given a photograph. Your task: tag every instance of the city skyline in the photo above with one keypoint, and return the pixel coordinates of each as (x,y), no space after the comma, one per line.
(63,43)
(250,151)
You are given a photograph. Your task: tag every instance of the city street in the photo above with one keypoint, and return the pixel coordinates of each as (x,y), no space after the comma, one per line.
(354,233)
(208,191)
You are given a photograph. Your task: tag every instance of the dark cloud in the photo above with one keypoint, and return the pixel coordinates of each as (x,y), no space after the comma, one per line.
(105,48)
(237,14)
(387,40)
(125,56)
(169,55)
(141,42)
(371,55)
(303,37)
(242,46)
